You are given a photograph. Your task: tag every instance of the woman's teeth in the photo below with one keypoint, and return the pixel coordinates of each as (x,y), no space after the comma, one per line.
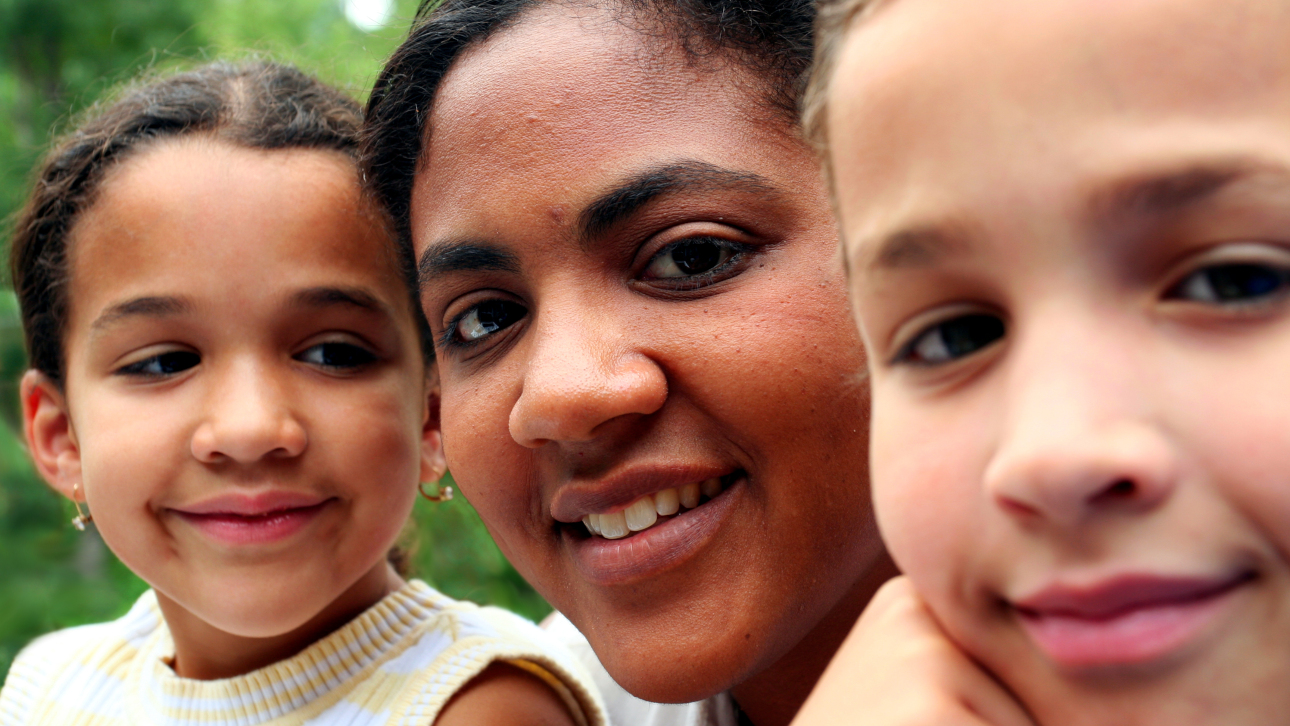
(644,512)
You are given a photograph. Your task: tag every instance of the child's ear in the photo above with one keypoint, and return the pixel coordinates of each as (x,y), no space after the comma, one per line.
(433,462)
(50,438)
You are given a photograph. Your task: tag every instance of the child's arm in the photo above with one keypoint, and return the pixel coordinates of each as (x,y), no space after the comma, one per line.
(898,668)
(506,696)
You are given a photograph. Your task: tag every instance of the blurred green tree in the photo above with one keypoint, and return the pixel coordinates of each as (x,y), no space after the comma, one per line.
(57,57)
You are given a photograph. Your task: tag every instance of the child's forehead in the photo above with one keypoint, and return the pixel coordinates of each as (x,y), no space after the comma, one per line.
(945,100)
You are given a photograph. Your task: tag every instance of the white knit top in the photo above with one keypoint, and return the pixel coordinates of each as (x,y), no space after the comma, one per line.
(397,663)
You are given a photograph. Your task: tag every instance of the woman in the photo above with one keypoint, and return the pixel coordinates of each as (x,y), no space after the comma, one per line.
(628,260)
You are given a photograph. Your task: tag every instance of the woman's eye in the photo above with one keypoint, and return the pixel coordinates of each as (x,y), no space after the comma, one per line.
(487,318)
(162,364)
(1233,283)
(335,354)
(690,257)
(952,339)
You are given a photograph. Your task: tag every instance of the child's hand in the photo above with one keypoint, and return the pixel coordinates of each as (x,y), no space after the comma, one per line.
(898,668)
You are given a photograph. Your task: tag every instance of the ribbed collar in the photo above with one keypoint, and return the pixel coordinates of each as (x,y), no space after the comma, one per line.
(329,668)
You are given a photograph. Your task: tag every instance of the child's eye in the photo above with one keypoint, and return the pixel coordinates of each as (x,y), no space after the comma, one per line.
(484,319)
(1239,283)
(952,339)
(338,355)
(695,260)
(162,364)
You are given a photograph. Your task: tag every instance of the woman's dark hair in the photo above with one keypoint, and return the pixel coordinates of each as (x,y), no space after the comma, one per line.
(772,39)
(254,104)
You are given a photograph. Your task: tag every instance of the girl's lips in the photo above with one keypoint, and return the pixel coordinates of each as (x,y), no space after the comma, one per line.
(1129,620)
(240,520)
(647,553)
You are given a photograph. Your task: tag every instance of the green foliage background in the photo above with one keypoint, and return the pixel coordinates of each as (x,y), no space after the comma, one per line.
(56,58)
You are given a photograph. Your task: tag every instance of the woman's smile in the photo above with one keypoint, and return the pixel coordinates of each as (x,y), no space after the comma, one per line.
(656,532)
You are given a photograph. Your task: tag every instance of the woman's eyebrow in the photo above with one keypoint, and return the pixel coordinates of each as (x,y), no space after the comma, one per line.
(632,194)
(442,258)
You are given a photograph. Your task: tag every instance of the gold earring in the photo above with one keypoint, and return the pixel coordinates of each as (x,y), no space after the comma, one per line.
(81,518)
(444,495)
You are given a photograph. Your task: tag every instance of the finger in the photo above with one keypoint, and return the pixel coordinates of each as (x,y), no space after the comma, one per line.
(987,698)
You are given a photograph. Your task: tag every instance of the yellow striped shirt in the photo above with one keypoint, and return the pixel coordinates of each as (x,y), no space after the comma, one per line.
(398,663)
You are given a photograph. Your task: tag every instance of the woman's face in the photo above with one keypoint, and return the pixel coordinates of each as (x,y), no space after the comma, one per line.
(630,269)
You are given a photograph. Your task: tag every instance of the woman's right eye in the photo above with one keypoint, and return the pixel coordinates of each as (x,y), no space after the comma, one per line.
(162,364)
(483,320)
(952,339)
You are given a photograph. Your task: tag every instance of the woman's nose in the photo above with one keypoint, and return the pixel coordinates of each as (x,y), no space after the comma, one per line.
(1080,438)
(249,417)
(583,371)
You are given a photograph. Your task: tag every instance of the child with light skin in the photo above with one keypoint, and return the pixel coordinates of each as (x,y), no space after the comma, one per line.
(1067,230)
(229,374)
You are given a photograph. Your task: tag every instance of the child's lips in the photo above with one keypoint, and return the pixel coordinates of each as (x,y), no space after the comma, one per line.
(241,519)
(1126,620)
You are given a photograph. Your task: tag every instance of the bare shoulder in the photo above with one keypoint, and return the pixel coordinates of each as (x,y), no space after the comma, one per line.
(505,694)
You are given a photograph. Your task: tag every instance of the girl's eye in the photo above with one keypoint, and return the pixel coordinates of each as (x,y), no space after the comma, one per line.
(690,257)
(1233,284)
(338,355)
(487,318)
(952,339)
(162,364)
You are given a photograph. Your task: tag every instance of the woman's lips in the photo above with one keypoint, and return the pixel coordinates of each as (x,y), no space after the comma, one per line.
(663,545)
(240,519)
(1129,620)
(648,510)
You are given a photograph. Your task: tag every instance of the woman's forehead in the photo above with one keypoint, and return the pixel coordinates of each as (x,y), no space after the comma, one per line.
(531,128)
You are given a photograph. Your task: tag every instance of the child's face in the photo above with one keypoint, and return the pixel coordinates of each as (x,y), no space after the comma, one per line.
(245,396)
(632,296)
(1068,234)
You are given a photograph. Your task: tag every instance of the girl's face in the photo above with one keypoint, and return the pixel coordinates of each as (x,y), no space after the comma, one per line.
(634,288)
(245,397)
(1071,249)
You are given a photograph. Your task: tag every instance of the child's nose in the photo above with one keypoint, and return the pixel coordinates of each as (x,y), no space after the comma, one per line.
(1081,436)
(582,371)
(249,418)
(1067,477)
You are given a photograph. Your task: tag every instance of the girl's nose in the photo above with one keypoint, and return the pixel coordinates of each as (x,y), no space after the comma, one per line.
(582,372)
(249,418)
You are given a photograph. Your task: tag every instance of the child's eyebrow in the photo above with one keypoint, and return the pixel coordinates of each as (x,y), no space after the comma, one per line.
(154,306)
(327,296)
(919,246)
(1157,193)
(1170,191)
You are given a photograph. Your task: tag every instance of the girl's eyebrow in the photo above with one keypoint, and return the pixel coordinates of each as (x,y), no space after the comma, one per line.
(327,296)
(154,306)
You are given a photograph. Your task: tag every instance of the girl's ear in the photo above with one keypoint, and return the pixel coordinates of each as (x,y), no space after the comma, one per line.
(433,462)
(50,438)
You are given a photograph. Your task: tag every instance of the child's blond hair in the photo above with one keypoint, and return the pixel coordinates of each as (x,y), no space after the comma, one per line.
(834,18)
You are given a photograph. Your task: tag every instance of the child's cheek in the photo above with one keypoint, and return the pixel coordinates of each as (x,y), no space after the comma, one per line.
(927,494)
